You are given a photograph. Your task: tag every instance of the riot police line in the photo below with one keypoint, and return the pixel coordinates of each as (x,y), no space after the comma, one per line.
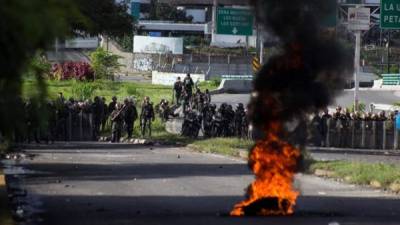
(72,120)
(345,129)
(201,115)
(223,121)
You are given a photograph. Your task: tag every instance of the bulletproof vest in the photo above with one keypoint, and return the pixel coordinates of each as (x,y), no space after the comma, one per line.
(178,86)
(188,83)
(147,111)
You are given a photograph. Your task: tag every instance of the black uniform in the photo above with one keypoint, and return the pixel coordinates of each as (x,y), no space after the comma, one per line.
(111,106)
(191,125)
(62,116)
(32,121)
(51,122)
(178,88)
(323,128)
(146,116)
(104,118)
(130,116)
(117,121)
(188,85)
(97,113)
(240,117)
(229,119)
(208,115)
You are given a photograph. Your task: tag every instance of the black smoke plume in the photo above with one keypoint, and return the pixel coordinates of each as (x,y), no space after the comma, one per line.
(310,68)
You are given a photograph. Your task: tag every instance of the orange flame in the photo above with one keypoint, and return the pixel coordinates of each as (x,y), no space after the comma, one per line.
(274,163)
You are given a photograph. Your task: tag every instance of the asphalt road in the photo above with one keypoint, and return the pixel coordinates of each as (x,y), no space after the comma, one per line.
(169,185)
(345,99)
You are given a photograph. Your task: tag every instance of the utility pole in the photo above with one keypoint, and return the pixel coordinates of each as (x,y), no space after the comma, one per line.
(388,52)
(261,49)
(214,21)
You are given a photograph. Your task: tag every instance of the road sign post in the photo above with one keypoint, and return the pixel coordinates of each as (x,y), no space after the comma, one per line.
(232,21)
(359,20)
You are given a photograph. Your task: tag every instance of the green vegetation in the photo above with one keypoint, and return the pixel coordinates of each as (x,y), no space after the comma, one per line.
(361,107)
(164,11)
(105,88)
(375,174)
(125,42)
(223,146)
(104,64)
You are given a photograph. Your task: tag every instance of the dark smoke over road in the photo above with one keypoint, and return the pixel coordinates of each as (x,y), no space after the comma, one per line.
(310,68)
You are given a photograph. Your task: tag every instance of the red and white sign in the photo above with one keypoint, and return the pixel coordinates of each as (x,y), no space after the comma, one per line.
(359,18)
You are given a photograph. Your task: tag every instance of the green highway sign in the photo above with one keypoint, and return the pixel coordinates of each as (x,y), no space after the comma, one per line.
(235,21)
(390,14)
(135,10)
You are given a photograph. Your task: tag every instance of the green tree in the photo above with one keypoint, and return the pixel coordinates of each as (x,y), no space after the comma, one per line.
(104,64)
(162,11)
(29,26)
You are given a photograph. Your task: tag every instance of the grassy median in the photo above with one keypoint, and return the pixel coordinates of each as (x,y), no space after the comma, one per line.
(223,146)
(5,216)
(377,175)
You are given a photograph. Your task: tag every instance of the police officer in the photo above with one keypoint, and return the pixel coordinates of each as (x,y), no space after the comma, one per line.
(207,96)
(240,115)
(51,122)
(117,122)
(217,122)
(105,114)
(97,112)
(130,116)
(178,88)
(208,115)
(188,85)
(191,124)
(32,120)
(62,112)
(186,102)
(111,106)
(146,116)
(199,100)
(229,117)
(323,128)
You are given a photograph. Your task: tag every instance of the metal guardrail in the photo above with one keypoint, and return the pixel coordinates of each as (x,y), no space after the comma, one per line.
(237,77)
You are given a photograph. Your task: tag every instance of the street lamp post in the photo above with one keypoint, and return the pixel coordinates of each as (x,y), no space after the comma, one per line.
(214,21)
(388,53)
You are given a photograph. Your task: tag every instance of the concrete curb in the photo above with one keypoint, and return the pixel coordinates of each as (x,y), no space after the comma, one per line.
(355,151)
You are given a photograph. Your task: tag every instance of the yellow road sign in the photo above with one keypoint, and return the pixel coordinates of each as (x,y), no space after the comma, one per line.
(256,65)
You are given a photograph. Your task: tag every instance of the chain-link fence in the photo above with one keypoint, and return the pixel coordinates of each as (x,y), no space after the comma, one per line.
(210,65)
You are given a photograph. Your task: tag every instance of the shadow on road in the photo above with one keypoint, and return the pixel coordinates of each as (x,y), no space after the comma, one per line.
(129,171)
(212,210)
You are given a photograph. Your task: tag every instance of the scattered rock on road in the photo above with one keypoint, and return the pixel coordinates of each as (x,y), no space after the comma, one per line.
(375,184)
(395,187)
(324,173)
